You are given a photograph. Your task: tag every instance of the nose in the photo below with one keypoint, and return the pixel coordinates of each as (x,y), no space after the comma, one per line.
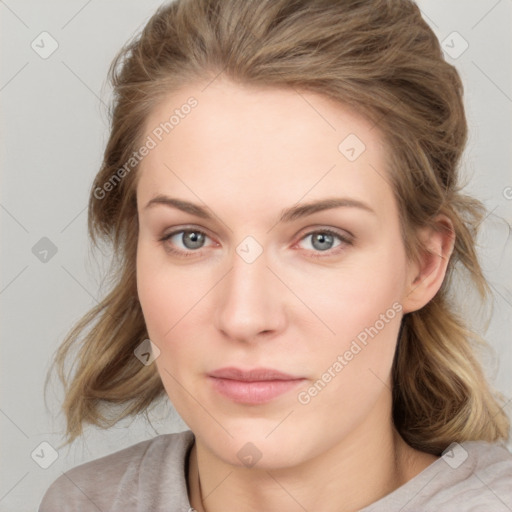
(250,302)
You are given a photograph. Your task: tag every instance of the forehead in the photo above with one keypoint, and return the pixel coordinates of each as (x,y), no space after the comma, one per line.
(261,142)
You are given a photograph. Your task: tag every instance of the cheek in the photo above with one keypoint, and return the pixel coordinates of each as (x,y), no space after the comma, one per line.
(362,306)
(356,297)
(157,302)
(353,366)
(162,288)
(164,299)
(161,295)
(173,301)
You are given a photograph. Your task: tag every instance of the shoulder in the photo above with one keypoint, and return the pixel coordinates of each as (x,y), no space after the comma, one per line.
(120,478)
(479,475)
(473,476)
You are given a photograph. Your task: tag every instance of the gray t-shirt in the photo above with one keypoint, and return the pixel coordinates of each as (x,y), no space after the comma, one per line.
(150,476)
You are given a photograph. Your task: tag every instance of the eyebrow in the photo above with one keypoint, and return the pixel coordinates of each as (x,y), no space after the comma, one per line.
(287,215)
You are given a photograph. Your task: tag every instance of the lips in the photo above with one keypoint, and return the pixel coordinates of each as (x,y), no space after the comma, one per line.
(252,387)
(254,375)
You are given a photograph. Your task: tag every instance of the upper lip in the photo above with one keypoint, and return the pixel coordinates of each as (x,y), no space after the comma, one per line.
(255,374)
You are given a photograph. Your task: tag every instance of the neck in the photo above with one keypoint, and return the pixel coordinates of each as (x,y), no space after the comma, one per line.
(362,468)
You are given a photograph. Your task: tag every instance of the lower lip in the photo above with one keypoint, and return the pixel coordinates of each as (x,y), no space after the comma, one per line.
(256,392)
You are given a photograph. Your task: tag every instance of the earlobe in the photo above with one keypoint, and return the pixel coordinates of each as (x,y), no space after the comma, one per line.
(427,275)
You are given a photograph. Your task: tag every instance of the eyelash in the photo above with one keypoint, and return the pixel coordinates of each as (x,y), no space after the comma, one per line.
(319,254)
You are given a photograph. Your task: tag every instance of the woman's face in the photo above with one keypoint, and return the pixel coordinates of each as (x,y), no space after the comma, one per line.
(237,268)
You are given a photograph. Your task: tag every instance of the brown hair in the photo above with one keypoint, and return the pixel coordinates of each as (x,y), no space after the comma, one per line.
(377,56)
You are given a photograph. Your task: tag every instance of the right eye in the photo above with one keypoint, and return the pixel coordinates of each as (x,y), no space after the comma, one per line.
(184,242)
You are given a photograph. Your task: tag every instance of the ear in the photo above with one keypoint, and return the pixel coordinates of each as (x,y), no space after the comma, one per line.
(425,277)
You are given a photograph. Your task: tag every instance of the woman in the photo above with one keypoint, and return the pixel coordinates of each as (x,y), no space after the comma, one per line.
(280,189)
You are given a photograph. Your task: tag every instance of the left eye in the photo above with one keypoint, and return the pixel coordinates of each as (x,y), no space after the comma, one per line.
(322,241)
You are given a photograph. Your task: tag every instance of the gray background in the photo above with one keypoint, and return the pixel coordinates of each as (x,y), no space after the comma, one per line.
(54,127)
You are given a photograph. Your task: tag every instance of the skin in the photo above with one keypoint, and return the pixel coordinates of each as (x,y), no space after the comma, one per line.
(245,154)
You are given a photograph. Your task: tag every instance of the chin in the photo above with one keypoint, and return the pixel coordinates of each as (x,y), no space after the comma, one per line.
(254,448)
